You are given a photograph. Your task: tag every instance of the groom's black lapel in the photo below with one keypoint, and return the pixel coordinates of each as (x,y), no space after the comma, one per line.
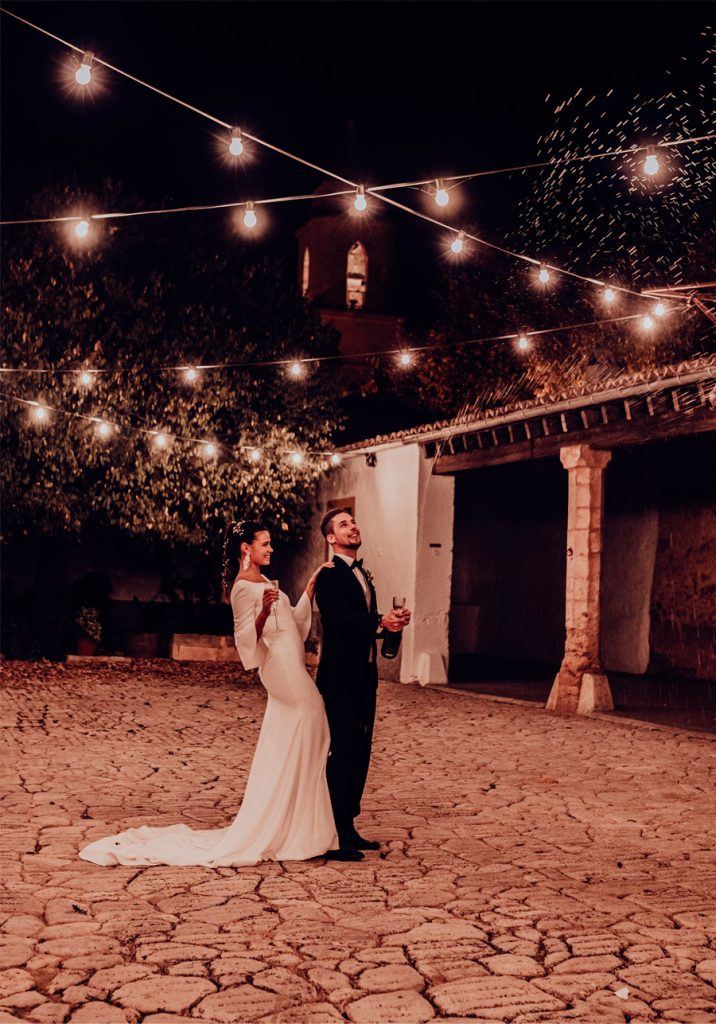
(343,566)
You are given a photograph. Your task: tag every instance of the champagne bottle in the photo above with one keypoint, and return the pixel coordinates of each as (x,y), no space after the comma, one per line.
(391,641)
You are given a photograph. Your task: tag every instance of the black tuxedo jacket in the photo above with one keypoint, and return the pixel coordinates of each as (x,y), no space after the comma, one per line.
(349,630)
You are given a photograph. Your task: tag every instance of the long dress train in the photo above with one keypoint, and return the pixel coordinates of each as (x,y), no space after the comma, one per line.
(286,810)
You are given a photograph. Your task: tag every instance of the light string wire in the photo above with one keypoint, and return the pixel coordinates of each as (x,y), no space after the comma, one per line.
(168,434)
(331,174)
(302,360)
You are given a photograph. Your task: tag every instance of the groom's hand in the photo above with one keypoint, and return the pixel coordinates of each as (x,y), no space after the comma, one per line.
(393,622)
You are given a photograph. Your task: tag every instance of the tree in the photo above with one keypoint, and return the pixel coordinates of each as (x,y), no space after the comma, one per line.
(137,297)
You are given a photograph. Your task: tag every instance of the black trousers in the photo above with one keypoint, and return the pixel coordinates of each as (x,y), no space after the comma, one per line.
(350,719)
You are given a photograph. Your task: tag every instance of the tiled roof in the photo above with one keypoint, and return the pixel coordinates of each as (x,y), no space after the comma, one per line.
(703,367)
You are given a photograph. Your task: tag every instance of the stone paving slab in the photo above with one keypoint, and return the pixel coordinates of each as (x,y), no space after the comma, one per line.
(534,868)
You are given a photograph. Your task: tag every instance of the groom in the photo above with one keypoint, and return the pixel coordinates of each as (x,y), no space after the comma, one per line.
(348,673)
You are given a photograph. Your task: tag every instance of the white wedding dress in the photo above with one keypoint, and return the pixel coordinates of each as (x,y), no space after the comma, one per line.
(286,811)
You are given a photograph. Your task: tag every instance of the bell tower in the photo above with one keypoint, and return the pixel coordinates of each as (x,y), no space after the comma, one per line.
(345,268)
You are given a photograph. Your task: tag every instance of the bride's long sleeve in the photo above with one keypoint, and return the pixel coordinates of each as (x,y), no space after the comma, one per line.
(302,615)
(246,609)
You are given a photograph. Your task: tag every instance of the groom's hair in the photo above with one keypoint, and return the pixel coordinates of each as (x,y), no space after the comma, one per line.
(327,521)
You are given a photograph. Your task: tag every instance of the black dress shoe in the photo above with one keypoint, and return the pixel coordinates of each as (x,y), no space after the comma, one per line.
(359,843)
(343,853)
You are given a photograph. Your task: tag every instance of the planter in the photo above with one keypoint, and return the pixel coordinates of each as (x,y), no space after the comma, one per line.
(86,646)
(142,645)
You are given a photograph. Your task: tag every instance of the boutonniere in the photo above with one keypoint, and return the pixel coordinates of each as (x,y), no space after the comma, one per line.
(368,575)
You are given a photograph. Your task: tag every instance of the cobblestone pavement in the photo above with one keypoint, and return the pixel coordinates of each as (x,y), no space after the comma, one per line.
(534,868)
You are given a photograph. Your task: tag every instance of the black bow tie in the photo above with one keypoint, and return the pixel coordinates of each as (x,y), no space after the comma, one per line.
(357,563)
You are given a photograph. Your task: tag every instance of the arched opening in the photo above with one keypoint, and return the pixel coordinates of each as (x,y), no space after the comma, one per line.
(356,276)
(305,271)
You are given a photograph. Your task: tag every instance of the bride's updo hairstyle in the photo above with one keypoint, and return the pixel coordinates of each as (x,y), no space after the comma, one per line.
(237,533)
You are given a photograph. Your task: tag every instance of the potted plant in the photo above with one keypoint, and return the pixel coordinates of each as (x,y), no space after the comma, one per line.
(88,622)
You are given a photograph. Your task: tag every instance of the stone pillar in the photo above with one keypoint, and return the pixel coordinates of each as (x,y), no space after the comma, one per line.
(580,685)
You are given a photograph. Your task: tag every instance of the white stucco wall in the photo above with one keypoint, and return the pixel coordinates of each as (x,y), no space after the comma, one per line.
(400,509)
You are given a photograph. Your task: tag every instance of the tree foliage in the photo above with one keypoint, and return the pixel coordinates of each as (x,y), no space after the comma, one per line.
(132,298)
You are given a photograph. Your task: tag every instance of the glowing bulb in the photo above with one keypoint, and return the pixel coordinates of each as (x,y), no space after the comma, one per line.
(83,74)
(296,458)
(255,455)
(405,359)
(86,378)
(659,309)
(523,342)
(442,197)
(236,146)
(40,413)
(82,228)
(104,429)
(360,202)
(647,322)
(209,449)
(296,369)
(191,375)
(543,274)
(250,217)
(161,440)
(651,163)
(609,295)
(458,243)
(335,459)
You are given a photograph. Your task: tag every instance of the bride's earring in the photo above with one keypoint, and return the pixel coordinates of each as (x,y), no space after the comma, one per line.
(245,561)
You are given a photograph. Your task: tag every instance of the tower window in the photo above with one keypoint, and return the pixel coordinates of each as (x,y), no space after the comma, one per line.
(356,276)
(305,271)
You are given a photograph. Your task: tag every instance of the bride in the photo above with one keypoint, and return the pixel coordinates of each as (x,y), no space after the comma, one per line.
(286,811)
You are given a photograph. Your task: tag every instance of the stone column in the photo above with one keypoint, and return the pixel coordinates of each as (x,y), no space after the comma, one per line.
(580,685)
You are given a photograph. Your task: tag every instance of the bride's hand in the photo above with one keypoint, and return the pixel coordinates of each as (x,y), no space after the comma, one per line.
(269,598)
(311,585)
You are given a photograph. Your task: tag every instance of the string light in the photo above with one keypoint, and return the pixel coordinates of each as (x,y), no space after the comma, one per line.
(191,375)
(523,342)
(236,145)
(360,202)
(296,458)
(86,378)
(250,216)
(405,359)
(458,243)
(161,440)
(255,455)
(40,413)
(104,429)
(659,309)
(296,369)
(608,295)
(82,228)
(647,322)
(442,196)
(335,459)
(209,449)
(83,74)
(651,162)
(543,274)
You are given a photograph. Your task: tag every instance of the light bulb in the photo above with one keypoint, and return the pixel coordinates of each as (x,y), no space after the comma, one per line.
(651,163)
(543,274)
(209,449)
(82,228)
(609,295)
(360,202)
(160,440)
(83,74)
(40,413)
(405,359)
(335,459)
(296,458)
(86,378)
(296,369)
(659,309)
(250,216)
(236,146)
(442,197)
(191,374)
(523,342)
(104,429)
(255,455)
(458,243)
(647,322)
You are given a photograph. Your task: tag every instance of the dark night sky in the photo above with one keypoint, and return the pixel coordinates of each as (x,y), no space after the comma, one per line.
(429,87)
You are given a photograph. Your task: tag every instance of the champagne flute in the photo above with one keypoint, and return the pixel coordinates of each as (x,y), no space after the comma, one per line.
(273,585)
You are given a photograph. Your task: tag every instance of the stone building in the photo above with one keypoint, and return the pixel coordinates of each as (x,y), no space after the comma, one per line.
(576,531)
